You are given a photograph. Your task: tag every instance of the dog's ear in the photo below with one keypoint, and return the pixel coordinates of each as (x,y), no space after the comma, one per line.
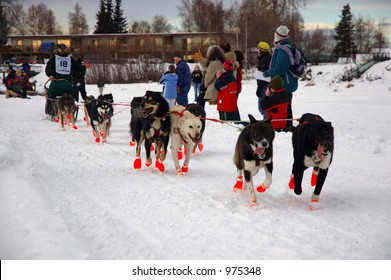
(252,119)
(269,119)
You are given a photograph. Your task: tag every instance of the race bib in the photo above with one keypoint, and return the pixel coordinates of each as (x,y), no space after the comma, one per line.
(63,65)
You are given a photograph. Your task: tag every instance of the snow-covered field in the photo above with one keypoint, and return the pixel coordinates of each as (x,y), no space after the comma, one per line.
(62,196)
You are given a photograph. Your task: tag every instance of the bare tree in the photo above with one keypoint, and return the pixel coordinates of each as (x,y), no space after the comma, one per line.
(41,20)
(364,32)
(314,44)
(16,19)
(140,27)
(202,15)
(380,40)
(160,25)
(77,21)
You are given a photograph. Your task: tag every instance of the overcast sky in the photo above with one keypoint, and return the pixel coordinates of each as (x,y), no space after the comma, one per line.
(317,11)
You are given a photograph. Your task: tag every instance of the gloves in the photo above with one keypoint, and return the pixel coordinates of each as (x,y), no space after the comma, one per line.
(265,74)
(78,84)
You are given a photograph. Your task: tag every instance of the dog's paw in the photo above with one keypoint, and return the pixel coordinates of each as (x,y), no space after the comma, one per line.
(74,127)
(254,204)
(181,173)
(159,165)
(97,139)
(185,168)
(137,163)
(132,143)
(238,186)
(262,188)
(200,147)
(180,155)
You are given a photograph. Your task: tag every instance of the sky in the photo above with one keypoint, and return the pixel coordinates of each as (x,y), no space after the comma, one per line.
(65,197)
(324,13)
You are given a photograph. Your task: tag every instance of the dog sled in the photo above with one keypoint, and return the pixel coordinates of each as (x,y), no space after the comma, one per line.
(54,91)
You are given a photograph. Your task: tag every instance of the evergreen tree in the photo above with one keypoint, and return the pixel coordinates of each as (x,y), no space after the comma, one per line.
(345,33)
(103,18)
(119,22)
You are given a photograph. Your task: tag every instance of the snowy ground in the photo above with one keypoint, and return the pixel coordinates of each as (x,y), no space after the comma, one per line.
(62,196)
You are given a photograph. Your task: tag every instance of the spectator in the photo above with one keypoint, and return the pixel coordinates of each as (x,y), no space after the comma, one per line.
(214,63)
(239,75)
(184,80)
(13,85)
(196,77)
(275,103)
(170,80)
(282,59)
(79,83)
(25,82)
(100,84)
(227,96)
(264,57)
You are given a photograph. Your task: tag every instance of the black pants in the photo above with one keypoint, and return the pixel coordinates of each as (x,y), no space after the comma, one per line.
(289,111)
(79,87)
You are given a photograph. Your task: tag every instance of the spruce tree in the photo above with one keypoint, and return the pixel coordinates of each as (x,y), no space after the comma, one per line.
(104,21)
(345,33)
(119,21)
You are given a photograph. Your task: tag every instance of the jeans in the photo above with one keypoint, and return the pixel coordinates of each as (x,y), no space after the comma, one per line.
(261,91)
(196,87)
(181,98)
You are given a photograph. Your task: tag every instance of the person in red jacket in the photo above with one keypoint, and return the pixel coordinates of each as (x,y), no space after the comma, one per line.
(227,96)
(275,103)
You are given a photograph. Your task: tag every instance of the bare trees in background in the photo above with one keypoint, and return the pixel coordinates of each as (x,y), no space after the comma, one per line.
(77,21)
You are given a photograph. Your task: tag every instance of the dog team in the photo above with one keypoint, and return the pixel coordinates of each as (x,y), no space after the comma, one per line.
(153,123)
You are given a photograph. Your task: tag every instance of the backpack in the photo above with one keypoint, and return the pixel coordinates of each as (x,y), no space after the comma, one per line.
(299,65)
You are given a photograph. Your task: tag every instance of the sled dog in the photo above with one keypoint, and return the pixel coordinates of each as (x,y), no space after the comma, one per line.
(198,111)
(153,126)
(254,150)
(313,145)
(64,109)
(185,131)
(100,113)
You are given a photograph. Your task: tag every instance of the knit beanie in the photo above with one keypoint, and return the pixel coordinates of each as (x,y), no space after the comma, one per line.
(276,83)
(263,47)
(281,33)
(228,65)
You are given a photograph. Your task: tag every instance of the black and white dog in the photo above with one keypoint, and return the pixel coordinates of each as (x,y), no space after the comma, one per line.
(313,145)
(254,150)
(100,113)
(153,127)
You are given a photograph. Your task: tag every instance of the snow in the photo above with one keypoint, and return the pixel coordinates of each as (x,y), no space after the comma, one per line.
(63,196)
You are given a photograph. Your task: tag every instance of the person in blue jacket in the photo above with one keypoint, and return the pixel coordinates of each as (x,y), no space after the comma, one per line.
(282,59)
(184,80)
(170,80)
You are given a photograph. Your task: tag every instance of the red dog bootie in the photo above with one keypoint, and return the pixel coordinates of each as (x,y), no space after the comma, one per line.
(314,177)
(159,165)
(291,183)
(262,188)
(239,184)
(180,155)
(185,168)
(137,163)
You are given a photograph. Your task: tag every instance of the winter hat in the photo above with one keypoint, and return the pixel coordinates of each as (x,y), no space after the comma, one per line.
(228,65)
(263,47)
(276,83)
(281,33)
(62,46)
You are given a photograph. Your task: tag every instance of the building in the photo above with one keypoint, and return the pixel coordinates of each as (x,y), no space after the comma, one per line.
(121,48)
